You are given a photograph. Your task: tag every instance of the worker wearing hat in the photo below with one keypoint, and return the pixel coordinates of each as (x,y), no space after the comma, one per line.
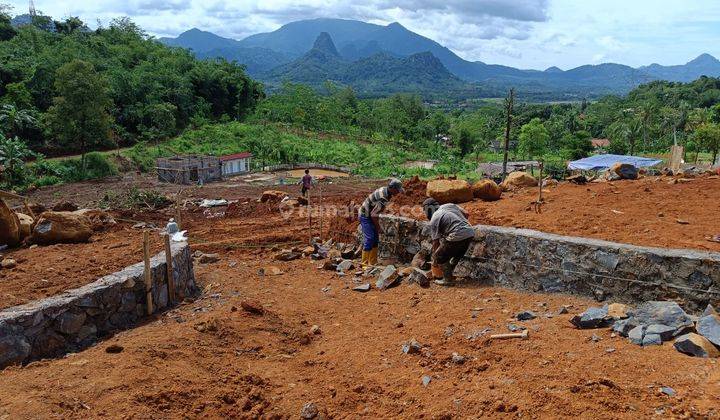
(451,235)
(369,214)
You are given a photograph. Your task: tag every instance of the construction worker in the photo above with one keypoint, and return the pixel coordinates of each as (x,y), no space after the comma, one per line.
(369,214)
(306,181)
(451,235)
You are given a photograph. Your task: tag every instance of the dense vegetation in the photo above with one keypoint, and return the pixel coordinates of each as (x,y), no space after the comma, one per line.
(66,89)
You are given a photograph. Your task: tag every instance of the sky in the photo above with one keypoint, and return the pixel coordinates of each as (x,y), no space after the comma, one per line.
(521,33)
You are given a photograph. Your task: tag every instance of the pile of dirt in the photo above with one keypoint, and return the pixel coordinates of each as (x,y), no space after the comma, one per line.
(414,192)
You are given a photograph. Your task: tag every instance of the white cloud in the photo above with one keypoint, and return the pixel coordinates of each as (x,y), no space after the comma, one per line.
(521,33)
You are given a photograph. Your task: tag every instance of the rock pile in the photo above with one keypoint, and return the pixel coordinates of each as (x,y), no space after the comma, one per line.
(655,322)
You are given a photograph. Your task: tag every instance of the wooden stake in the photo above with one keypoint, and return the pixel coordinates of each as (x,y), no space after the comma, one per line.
(177,210)
(170,276)
(309,209)
(321,211)
(148,276)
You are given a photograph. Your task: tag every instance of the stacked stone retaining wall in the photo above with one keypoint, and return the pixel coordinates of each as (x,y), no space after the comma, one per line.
(77,318)
(542,262)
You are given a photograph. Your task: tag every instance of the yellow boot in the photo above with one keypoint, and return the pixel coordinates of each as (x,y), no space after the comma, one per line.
(364,258)
(373,256)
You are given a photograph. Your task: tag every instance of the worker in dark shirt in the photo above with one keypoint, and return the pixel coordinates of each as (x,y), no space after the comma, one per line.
(306,181)
(451,235)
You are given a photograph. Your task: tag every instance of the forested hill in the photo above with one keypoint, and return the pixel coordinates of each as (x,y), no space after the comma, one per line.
(280,54)
(129,86)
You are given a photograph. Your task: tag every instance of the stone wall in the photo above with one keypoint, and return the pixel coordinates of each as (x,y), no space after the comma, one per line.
(542,262)
(78,318)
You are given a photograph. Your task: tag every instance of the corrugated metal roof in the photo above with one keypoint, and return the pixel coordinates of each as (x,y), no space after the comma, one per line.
(235,156)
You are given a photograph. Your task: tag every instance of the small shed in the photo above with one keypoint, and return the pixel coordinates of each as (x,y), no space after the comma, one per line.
(189,169)
(238,163)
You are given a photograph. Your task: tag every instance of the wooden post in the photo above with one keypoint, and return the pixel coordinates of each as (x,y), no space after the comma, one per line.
(309,210)
(177,210)
(170,275)
(321,211)
(508,125)
(148,276)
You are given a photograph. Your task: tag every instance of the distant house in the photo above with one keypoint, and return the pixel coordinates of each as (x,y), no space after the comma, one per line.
(189,170)
(235,164)
(600,145)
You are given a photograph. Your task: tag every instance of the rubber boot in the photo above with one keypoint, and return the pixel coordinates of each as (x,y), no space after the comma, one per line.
(373,257)
(448,278)
(365,258)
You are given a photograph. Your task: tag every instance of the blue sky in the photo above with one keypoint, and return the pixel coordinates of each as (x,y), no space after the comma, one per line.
(521,33)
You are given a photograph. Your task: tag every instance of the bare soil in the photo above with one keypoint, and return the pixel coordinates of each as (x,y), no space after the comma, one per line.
(210,358)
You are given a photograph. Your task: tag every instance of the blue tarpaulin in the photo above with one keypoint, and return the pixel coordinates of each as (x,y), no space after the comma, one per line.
(602,162)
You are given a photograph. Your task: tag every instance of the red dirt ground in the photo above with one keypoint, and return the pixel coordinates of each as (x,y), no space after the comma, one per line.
(206,359)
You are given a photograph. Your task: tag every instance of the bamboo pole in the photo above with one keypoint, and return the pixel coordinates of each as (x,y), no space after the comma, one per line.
(148,276)
(170,275)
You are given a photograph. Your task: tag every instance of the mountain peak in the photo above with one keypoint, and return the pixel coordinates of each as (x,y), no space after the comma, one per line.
(395,25)
(553,69)
(704,59)
(325,44)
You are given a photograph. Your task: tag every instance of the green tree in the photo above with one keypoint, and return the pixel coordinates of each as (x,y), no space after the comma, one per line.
(707,137)
(6,29)
(533,139)
(79,116)
(577,145)
(13,120)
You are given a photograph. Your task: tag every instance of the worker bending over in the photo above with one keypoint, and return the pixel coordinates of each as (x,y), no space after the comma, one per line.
(451,235)
(369,214)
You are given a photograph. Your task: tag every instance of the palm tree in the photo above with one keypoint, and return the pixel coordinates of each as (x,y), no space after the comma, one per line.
(14,120)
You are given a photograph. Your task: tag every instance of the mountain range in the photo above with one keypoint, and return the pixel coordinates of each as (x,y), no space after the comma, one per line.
(377,60)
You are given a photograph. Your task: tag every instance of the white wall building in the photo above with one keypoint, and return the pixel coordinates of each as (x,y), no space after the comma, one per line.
(238,163)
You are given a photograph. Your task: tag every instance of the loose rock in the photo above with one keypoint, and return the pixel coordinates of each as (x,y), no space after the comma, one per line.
(696,345)
(426,380)
(8,263)
(114,349)
(411,347)
(309,411)
(458,359)
(666,333)
(209,258)
(362,288)
(387,278)
(525,316)
(592,318)
(449,191)
(709,327)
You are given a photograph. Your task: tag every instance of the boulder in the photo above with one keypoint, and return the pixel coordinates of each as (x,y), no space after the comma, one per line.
(26,225)
(624,170)
(651,340)
(98,219)
(696,345)
(272,195)
(9,226)
(592,318)
(449,191)
(662,312)
(55,227)
(486,190)
(518,180)
(709,327)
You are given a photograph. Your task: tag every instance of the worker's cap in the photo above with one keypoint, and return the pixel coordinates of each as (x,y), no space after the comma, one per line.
(396,184)
(430,206)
